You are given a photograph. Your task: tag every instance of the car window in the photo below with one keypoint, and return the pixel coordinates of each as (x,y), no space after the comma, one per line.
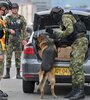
(41,21)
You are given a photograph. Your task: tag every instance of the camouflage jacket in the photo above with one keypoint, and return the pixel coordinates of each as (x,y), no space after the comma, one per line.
(18,24)
(68,21)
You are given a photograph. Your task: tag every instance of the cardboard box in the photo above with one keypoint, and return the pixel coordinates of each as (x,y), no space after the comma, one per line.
(64,53)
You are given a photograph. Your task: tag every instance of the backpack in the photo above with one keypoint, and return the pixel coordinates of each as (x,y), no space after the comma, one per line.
(79,26)
(15,26)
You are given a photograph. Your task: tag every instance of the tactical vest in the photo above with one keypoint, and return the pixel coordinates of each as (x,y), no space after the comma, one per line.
(3,35)
(15,24)
(79,31)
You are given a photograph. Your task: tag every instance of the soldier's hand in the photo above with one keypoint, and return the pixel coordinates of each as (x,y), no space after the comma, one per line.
(24,42)
(49,30)
(12,31)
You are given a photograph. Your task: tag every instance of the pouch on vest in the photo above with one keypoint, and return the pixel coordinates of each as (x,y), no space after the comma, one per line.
(16,25)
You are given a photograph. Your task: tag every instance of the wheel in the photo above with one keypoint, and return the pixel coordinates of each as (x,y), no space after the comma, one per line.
(28,86)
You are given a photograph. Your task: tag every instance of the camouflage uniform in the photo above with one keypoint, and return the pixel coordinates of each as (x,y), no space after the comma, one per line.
(2,51)
(79,48)
(14,42)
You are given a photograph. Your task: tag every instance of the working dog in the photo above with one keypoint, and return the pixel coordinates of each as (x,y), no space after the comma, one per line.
(46,72)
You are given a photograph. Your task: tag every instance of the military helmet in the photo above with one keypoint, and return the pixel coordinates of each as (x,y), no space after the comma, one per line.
(56,14)
(5,3)
(15,5)
(9,3)
(57,10)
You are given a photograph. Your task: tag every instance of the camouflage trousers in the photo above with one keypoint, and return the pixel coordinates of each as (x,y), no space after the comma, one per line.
(16,47)
(1,63)
(79,48)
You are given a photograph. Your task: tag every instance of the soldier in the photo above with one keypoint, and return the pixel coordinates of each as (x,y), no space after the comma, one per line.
(18,24)
(75,34)
(3,30)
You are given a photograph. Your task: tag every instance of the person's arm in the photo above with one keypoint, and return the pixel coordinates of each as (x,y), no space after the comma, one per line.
(67,22)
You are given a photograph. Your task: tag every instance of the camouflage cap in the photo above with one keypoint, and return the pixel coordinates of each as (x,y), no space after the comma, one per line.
(15,5)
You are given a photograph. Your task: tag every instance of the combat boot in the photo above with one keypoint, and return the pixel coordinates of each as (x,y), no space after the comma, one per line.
(18,76)
(79,94)
(73,92)
(7,73)
(3,96)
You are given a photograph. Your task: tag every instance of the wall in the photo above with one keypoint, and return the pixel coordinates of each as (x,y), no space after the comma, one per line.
(28,12)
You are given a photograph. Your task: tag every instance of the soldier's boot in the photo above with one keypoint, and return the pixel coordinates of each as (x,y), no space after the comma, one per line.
(3,96)
(73,92)
(7,73)
(80,94)
(18,76)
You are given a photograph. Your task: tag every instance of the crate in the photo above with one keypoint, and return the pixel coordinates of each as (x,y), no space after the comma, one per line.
(64,53)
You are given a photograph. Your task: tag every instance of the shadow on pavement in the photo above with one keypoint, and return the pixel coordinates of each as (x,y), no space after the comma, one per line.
(65,89)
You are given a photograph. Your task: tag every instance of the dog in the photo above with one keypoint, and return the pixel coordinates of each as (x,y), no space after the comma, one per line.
(46,72)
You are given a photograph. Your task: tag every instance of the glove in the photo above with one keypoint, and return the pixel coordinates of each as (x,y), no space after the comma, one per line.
(49,30)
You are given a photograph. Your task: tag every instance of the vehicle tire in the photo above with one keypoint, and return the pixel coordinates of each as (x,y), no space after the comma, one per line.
(28,86)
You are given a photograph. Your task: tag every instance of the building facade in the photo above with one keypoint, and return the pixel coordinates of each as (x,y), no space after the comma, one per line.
(42,5)
(28,7)
(28,12)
